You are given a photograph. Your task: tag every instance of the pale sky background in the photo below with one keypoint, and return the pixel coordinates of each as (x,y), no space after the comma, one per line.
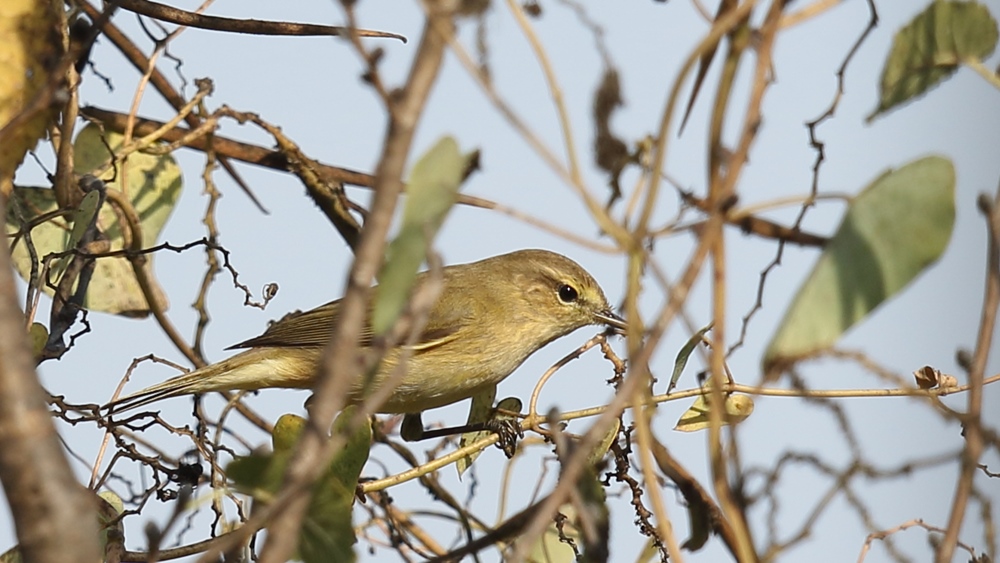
(311,88)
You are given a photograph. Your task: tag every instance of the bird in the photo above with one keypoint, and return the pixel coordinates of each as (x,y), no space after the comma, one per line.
(490,316)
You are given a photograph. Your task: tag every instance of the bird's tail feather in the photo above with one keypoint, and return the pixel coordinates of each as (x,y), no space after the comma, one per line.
(181,385)
(256,368)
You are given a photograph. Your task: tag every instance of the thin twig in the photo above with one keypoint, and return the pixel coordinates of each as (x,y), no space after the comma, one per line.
(254,27)
(972,419)
(315,447)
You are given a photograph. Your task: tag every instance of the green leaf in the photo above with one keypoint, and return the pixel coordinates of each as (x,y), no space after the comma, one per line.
(286,432)
(431,192)
(39,336)
(898,226)
(327,533)
(252,474)
(931,47)
(351,458)
(154,184)
(83,217)
(684,354)
(480,410)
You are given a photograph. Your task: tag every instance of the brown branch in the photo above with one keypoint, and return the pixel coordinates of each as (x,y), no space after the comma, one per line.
(162,85)
(761,227)
(166,13)
(724,173)
(726,23)
(508,530)
(328,196)
(150,287)
(55,518)
(695,495)
(315,447)
(640,353)
(884,534)
(172,553)
(432,484)
(64,184)
(972,420)
(224,147)
(274,159)
(70,293)
(819,146)
(160,82)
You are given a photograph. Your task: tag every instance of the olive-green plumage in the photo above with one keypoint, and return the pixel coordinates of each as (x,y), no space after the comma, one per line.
(490,316)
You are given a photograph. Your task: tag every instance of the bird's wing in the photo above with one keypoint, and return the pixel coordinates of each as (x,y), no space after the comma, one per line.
(310,328)
(314,327)
(443,326)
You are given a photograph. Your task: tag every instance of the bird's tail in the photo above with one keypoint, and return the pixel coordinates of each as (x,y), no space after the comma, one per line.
(256,368)
(186,384)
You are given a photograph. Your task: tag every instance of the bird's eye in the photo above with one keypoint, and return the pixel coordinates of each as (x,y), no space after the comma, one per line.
(567,294)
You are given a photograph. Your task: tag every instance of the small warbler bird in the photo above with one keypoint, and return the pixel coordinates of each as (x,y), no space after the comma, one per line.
(490,316)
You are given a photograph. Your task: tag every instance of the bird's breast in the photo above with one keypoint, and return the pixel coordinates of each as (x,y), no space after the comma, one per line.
(439,377)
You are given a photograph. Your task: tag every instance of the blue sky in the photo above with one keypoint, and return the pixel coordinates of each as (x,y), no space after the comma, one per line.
(311,88)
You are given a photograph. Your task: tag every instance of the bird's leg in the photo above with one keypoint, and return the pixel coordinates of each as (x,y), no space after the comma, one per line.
(507,428)
(412,428)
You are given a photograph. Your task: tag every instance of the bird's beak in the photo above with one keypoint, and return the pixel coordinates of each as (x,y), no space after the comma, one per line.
(612,320)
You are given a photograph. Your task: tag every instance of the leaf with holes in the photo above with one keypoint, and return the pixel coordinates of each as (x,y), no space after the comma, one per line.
(152,183)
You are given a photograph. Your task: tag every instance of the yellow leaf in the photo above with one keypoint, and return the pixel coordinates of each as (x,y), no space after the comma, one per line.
(737,409)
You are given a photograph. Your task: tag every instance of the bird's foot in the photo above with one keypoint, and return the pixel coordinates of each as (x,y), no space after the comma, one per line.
(508,430)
